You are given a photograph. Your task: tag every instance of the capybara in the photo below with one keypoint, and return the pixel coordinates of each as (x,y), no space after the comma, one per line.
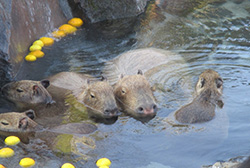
(133,92)
(96,95)
(208,95)
(148,60)
(27,94)
(135,97)
(18,122)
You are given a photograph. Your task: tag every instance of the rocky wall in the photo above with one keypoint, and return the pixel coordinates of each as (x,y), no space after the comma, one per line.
(22,22)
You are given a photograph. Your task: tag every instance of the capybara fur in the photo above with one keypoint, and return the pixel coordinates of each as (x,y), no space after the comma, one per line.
(18,124)
(27,94)
(137,100)
(96,95)
(208,95)
(134,96)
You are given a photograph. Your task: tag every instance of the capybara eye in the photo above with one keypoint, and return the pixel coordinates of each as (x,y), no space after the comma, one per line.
(123,91)
(92,95)
(202,82)
(4,123)
(19,90)
(219,82)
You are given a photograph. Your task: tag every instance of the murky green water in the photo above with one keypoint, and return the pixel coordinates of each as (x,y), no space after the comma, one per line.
(216,37)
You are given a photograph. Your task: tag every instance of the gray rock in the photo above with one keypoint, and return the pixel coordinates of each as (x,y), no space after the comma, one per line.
(97,10)
(21,23)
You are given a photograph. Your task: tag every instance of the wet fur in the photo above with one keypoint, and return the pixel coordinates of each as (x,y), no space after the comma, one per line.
(96,95)
(133,91)
(208,95)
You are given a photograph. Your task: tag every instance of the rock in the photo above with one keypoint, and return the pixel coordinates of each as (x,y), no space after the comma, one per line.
(111,9)
(21,23)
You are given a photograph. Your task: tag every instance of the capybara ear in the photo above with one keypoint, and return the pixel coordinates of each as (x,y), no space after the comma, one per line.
(139,72)
(219,82)
(35,89)
(45,83)
(31,114)
(202,82)
(23,123)
(103,78)
(153,88)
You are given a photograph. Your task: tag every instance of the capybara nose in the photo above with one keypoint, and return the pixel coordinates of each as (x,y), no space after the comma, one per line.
(111,112)
(147,110)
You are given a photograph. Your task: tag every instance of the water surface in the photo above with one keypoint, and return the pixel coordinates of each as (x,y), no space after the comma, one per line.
(216,37)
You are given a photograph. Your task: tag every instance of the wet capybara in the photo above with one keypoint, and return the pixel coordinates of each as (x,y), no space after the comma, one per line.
(147,60)
(135,97)
(96,95)
(27,94)
(18,124)
(208,95)
(155,64)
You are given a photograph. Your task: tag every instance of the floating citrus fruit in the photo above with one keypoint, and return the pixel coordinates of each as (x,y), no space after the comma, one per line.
(67,165)
(37,53)
(2,166)
(35,47)
(38,42)
(47,41)
(103,162)
(58,34)
(103,167)
(30,58)
(6,152)
(67,29)
(27,162)
(77,22)
(11,140)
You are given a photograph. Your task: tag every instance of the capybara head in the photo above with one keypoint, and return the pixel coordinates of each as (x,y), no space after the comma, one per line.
(26,94)
(17,122)
(99,99)
(210,84)
(134,96)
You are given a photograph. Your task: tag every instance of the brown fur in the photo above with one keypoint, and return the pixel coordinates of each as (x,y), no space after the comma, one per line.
(23,126)
(208,94)
(96,95)
(27,94)
(135,97)
(148,60)
(18,124)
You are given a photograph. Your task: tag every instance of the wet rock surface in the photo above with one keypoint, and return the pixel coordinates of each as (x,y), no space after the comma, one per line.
(111,9)
(21,23)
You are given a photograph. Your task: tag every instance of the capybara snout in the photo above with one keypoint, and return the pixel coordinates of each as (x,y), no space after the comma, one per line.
(147,109)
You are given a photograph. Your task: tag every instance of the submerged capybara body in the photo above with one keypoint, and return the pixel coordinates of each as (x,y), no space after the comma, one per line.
(96,95)
(208,95)
(139,95)
(27,94)
(147,60)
